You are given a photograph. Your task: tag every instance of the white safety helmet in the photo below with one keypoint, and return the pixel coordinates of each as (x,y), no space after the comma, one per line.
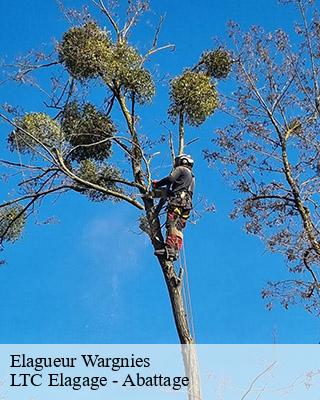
(183,159)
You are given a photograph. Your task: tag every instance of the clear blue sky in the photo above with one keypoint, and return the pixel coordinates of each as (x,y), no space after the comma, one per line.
(90,278)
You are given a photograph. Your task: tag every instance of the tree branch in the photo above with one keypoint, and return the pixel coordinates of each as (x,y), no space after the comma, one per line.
(137,153)
(312,58)
(181,133)
(256,379)
(36,195)
(94,186)
(105,11)
(274,197)
(24,72)
(129,24)
(18,165)
(154,49)
(305,261)
(303,211)
(41,144)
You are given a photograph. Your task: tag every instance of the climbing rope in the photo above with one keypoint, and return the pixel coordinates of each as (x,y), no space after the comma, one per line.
(186,292)
(187,300)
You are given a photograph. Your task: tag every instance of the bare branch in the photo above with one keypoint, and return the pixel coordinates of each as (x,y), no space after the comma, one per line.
(311,55)
(32,68)
(305,260)
(94,186)
(41,144)
(282,94)
(271,197)
(257,378)
(137,152)
(191,141)
(20,165)
(37,177)
(171,146)
(105,11)
(129,24)
(154,49)
(36,195)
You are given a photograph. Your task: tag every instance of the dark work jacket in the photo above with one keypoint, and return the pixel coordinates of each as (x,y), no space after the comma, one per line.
(180,180)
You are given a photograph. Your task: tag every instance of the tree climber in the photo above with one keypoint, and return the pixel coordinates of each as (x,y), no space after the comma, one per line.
(180,186)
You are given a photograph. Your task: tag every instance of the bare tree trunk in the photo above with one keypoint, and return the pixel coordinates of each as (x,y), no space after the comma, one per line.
(174,289)
(181,321)
(181,134)
(178,308)
(190,360)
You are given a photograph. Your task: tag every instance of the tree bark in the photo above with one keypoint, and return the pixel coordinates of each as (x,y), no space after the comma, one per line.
(188,348)
(170,276)
(303,211)
(174,288)
(181,133)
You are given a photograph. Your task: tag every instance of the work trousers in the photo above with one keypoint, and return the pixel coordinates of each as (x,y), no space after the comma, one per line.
(177,217)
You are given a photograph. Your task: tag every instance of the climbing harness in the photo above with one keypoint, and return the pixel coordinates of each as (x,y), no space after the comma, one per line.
(159,193)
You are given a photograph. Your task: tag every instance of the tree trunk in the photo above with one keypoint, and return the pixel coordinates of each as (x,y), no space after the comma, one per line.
(188,347)
(174,287)
(181,134)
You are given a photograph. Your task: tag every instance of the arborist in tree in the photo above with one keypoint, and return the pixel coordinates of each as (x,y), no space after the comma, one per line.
(180,187)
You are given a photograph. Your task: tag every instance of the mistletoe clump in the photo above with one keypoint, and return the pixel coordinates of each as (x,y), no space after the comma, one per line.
(12,221)
(104,175)
(88,171)
(34,130)
(88,130)
(88,52)
(85,50)
(125,68)
(216,63)
(194,95)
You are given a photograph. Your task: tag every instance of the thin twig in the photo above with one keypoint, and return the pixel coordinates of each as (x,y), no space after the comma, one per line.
(256,379)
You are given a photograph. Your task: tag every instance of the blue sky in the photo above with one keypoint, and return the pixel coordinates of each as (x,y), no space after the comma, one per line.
(91,278)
